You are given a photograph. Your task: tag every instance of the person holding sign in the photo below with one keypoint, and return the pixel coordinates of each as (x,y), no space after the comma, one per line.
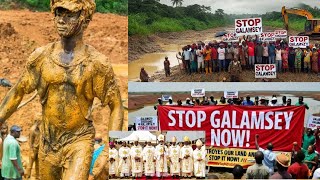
(149,160)
(174,158)
(136,158)
(199,157)
(269,155)
(186,156)
(301,103)
(161,155)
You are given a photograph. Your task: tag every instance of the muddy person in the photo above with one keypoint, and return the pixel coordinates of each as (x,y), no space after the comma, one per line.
(144,77)
(166,64)
(235,70)
(11,161)
(67,75)
(4,132)
(34,149)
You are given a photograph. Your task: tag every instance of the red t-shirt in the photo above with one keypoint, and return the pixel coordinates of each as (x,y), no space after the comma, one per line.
(317,145)
(214,53)
(250,44)
(299,171)
(250,51)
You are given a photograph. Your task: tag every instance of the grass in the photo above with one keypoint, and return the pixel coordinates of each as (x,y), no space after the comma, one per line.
(294,25)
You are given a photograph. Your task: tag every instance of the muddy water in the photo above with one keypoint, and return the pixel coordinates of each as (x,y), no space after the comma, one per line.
(314,106)
(153,62)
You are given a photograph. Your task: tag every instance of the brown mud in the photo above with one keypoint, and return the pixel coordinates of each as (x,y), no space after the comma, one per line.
(21,33)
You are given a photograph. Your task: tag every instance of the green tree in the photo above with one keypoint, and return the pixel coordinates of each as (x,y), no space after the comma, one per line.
(177,2)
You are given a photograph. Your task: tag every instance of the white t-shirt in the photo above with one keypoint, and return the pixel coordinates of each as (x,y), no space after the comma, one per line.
(265,51)
(200,56)
(316,174)
(278,54)
(221,53)
(187,54)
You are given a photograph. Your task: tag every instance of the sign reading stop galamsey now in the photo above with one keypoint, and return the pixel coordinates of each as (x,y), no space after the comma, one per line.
(313,122)
(236,126)
(265,71)
(147,123)
(249,26)
(298,41)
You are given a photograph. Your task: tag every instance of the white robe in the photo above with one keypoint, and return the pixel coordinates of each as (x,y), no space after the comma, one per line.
(199,166)
(113,167)
(186,164)
(137,166)
(124,165)
(161,162)
(148,156)
(174,155)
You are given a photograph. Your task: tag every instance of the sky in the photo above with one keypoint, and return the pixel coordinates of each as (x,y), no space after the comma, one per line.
(247,6)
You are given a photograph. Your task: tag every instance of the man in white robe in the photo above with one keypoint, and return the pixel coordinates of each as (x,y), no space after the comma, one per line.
(199,157)
(124,160)
(161,156)
(136,159)
(174,158)
(113,160)
(186,155)
(149,159)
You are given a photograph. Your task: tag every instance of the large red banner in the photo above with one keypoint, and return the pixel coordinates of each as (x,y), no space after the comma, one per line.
(236,126)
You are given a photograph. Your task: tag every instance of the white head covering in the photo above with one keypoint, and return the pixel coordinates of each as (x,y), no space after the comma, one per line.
(174,139)
(149,139)
(136,138)
(161,137)
(199,142)
(186,138)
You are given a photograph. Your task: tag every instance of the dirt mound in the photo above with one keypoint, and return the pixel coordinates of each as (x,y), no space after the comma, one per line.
(6,30)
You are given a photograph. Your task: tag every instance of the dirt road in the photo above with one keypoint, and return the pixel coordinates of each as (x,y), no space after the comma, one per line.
(23,31)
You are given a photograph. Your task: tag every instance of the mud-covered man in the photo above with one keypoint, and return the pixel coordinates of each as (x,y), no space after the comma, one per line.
(67,75)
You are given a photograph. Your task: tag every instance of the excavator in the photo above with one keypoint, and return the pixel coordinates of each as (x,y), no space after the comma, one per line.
(312,26)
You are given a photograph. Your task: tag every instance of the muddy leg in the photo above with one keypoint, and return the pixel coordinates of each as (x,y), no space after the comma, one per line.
(49,165)
(77,163)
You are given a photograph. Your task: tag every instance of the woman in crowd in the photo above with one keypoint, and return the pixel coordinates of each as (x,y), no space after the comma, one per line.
(297,61)
(314,61)
(291,59)
(285,64)
(278,59)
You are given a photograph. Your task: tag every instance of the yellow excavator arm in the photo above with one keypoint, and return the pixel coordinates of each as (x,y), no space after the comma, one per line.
(300,12)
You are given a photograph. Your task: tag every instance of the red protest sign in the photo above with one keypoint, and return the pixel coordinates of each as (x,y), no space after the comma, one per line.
(236,126)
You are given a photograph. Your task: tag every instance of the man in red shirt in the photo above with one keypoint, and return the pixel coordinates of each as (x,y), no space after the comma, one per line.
(214,57)
(299,170)
(251,56)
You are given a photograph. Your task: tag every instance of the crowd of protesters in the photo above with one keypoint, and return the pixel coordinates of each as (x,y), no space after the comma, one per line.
(215,57)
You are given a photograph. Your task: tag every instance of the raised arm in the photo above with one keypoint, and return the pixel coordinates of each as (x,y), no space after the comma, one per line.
(256,141)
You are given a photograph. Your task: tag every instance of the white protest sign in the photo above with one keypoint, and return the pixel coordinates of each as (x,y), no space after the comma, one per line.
(250,26)
(281,34)
(265,71)
(147,123)
(231,94)
(298,41)
(313,122)
(267,36)
(166,97)
(230,37)
(200,92)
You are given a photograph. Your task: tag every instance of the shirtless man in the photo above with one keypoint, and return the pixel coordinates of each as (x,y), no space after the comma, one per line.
(67,75)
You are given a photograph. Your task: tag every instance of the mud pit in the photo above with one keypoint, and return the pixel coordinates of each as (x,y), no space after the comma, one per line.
(21,34)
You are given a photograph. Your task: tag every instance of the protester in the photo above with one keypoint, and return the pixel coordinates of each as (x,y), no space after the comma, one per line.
(316,174)
(245,55)
(222,101)
(193,60)
(174,158)
(136,159)
(307,60)
(161,156)
(259,52)
(221,57)
(285,56)
(214,58)
(288,102)
(258,170)
(273,102)
(278,59)
(166,64)
(299,170)
(148,159)
(301,103)
(199,157)
(229,56)
(186,158)
(187,56)
(311,158)
(291,59)
(124,162)
(272,53)
(282,165)
(247,102)
(11,160)
(269,155)
(263,101)
(298,58)
(251,57)
(284,100)
(308,139)
(265,54)
(207,60)
(200,59)
(237,172)
(235,70)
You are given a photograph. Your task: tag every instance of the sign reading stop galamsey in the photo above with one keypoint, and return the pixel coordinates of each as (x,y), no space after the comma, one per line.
(313,122)
(231,94)
(280,34)
(298,41)
(267,36)
(249,26)
(230,37)
(236,126)
(199,92)
(265,71)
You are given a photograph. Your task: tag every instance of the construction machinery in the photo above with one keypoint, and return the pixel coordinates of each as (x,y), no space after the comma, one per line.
(312,25)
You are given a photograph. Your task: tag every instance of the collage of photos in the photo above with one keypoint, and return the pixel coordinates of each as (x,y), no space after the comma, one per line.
(159,89)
